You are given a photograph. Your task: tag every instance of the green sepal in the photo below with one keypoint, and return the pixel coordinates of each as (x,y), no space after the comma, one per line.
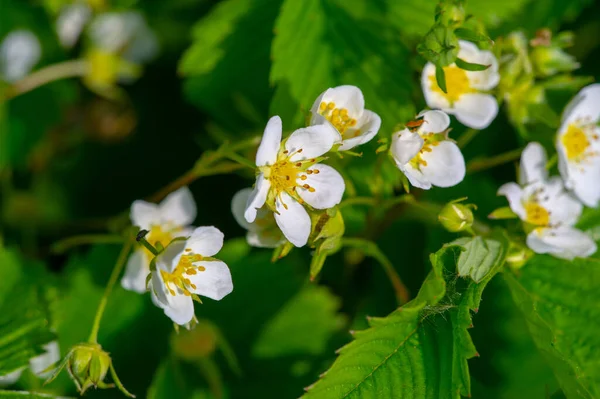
(469,66)
(440,78)
(503,213)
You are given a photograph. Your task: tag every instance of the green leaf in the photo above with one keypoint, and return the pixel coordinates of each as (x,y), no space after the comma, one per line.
(310,54)
(469,66)
(172,381)
(478,257)
(303,326)
(27,395)
(419,350)
(440,78)
(561,302)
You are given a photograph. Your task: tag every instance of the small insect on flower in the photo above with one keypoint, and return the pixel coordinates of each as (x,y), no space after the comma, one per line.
(38,365)
(466,95)
(423,152)
(290,176)
(343,107)
(547,209)
(168,220)
(578,145)
(19,52)
(263,232)
(186,269)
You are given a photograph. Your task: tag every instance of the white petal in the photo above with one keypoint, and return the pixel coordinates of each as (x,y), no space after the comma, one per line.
(169,258)
(143,45)
(468,51)
(238,206)
(214,282)
(138,268)
(445,165)
(257,197)
(267,238)
(584,181)
(40,364)
(328,184)
(70,23)
(584,107)
(480,80)
(434,121)
(563,207)
(432,97)
(369,125)
(406,145)
(11,378)
(270,143)
(292,219)
(144,214)
(348,97)
(19,52)
(178,207)
(564,242)
(533,164)
(314,141)
(514,194)
(179,308)
(414,176)
(205,241)
(476,110)
(158,288)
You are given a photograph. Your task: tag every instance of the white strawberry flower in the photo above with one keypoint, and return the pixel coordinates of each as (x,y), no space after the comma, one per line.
(186,269)
(290,176)
(547,208)
(343,107)
(263,232)
(466,96)
(71,21)
(165,221)
(39,365)
(578,145)
(425,154)
(19,52)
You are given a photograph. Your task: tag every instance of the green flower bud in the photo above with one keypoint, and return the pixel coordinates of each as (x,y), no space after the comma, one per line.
(551,60)
(88,366)
(456,217)
(440,45)
(518,255)
(450,13)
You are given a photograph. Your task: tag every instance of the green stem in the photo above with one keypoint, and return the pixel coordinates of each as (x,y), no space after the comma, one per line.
(64,245)
(241,160)
(466,137)
(478,165)
(552,161)
(142,240)
(357,201)
(51,73)
(93,339)
(371,249)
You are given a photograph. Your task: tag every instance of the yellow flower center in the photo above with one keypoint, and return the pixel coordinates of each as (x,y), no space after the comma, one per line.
(338,117)
(103,68)
(179,277)
(536,214)
(162,234)
(575,141)
(430,141)
(457,83)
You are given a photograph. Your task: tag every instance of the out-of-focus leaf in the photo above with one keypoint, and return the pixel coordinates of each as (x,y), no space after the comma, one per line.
(171,381)
(27,395)
(10,272)
(419,350)
(561,303)
(302,326)
(543,14)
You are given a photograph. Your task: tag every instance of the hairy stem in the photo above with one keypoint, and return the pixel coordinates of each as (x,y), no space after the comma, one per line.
(51,73)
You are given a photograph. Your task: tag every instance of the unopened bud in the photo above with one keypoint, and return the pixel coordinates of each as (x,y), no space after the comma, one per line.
(450,13)
(88,366)
(551,60)
(518,255)
(456,217)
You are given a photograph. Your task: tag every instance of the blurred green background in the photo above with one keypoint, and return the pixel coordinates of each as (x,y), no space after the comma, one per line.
(71,160)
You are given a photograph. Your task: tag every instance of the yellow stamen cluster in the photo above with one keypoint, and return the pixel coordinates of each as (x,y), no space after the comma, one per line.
(577,141)
(179,277)
(430,141)
(536,214)
(161,234)
(457,83)
(338,117)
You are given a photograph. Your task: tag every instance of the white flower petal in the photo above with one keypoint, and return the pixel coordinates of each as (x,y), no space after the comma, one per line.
(40,364)
(405,146)
(238,206)
(292,219)
(480,80)
(205,241)
(11,378)
(584,107)
(178,207)
(169,258)
(476,110)
(584,181)
(314,141)
(257,197)
(144,214)
(564,242)
(434,121)
(445,165)
(414,176)
(70,23)
(533,164)
(369,125)
(214,282)
(347,96)
(158,288)
(432,97)
(270,143)
(19,52)
(514,194)
(136,272)
(179,308)
(328,187)
(267,238)
(563,207)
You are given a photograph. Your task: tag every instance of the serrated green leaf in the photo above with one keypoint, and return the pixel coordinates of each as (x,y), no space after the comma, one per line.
(419,350)
(561,303)
(478,257)
(303,326)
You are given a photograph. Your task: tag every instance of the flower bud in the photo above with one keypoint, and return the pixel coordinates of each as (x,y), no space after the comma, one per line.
(551,60)
(450,13)
(88,365)
(456,217)
(518,255)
